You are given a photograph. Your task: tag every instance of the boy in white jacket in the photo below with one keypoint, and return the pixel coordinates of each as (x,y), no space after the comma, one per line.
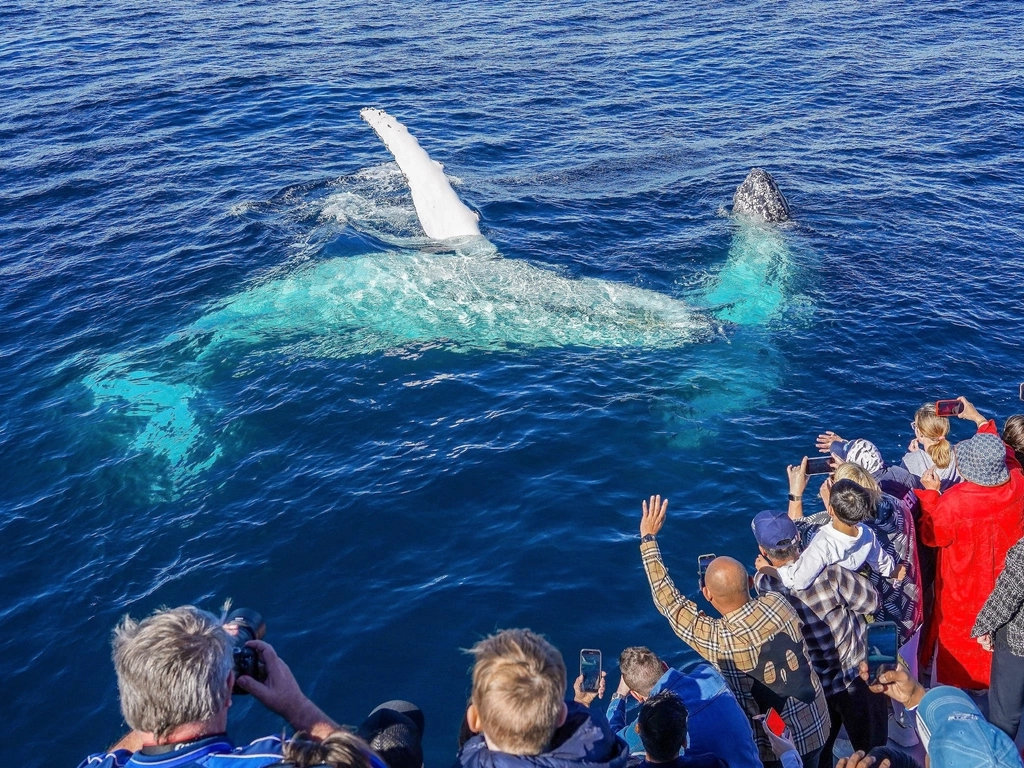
(846,541)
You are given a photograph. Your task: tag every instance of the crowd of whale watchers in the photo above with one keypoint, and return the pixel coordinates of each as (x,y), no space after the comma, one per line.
(930,550)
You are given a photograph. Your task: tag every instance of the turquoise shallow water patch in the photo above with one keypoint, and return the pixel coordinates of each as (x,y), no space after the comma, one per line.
(170,431)
(754,282)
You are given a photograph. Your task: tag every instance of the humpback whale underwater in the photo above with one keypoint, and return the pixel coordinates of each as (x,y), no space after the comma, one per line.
(452,289)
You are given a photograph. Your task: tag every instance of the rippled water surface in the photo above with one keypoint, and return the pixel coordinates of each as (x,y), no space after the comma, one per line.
(234,366)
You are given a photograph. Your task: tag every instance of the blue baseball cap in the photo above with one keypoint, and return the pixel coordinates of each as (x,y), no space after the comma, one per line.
(774,529)
(955,733)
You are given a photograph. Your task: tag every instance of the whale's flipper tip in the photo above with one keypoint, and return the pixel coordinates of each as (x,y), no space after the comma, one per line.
(441,213)
(760,197)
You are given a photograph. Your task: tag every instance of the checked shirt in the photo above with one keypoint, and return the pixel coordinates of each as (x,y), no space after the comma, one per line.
(733,645)
(832,610)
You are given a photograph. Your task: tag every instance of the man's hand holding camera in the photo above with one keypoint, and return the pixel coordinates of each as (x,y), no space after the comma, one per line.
(280,693)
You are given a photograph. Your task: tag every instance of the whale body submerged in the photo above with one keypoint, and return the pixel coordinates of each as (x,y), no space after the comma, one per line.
(458,293)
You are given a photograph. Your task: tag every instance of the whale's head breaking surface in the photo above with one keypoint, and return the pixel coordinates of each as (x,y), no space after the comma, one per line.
(759,197)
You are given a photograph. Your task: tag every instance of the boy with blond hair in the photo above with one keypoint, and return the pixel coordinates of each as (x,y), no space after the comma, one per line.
(519,713)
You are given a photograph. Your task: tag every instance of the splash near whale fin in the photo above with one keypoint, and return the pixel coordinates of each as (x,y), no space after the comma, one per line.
(441,212)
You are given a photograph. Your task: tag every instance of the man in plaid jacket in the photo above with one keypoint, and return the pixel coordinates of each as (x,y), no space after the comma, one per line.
(757,645)
(832,609)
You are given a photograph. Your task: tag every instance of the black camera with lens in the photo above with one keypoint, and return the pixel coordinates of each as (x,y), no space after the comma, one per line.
(244,625)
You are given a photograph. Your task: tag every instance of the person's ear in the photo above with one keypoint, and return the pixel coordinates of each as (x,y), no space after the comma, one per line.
(636,696)
(706,592)
(563,715)
(664,667)
(231,686)
(473,718)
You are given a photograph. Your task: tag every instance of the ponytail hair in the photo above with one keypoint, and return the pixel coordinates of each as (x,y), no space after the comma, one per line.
(936,428)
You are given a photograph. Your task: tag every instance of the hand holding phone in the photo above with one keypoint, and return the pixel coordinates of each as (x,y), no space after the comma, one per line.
(775,722)
(948,407)
(590,668)
(702,567)
(883,643)
(819,465)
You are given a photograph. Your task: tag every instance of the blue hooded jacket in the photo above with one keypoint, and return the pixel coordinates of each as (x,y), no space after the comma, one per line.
(585,740)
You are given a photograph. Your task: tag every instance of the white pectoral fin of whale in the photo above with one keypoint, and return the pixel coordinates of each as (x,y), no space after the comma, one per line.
(440,211)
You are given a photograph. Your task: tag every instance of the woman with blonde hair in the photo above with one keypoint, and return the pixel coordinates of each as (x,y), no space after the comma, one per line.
(930,448)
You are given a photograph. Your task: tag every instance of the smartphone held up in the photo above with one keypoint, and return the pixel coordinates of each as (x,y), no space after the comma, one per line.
(948,407)
(883,644)
(819,465)
(702,567)
(590,668)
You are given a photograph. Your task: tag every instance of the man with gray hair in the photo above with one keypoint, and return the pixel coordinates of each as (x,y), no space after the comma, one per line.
(175,676)
(716,724)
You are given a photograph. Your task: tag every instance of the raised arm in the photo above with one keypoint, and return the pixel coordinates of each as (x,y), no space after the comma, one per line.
(970,413)
(616,714)
(692,627)
(825,440)
(987,425)
(797,485)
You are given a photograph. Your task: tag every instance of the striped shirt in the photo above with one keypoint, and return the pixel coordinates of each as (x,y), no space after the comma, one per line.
(739,645)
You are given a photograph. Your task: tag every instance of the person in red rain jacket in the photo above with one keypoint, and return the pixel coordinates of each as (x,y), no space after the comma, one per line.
(973,524)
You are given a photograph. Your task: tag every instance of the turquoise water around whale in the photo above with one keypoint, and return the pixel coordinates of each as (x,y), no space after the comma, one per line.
(233,366)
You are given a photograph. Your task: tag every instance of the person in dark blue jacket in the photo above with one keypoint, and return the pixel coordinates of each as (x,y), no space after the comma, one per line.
(519,714)
(663,730)
(716,723)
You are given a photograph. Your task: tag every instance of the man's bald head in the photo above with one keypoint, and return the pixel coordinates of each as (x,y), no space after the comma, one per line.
(728,583)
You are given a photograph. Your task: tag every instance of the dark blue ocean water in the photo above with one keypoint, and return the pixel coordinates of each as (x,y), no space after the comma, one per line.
(386,501)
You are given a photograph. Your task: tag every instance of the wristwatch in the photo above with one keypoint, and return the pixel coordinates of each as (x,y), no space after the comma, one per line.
(646,537)
(795,498)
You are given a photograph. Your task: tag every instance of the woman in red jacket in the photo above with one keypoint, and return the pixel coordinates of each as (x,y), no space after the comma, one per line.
(973,524)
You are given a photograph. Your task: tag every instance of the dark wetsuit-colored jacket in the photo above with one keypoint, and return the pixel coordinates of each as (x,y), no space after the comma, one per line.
(584,740)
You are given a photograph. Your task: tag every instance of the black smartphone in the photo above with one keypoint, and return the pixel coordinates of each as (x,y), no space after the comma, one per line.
(819,465)
(882,641)
(948,407)
(590,668)
(702,567)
